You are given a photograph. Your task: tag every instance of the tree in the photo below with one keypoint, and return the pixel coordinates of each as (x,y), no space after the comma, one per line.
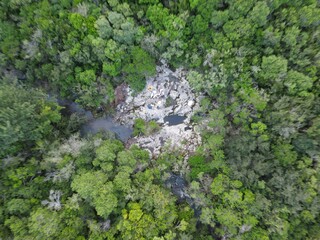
(255,65)
(95,188)
(273,70)
(219,18)
(231,207)
(116,19)
(308,16)
(239,29)
(86,77)
(140,66)
(103,27)
(106,155)
(285,154)
(18,227)
(157,14)
(298,83)
(45,224)
(199,25)
(142,127)
(136,224)
(9,39)
(26,117)
(259,14)
(198,165)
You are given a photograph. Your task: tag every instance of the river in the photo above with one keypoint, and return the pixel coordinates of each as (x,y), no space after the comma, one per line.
(93,126)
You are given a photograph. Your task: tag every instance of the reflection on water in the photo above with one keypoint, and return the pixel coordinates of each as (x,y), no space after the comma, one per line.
(94,126)
(107,124)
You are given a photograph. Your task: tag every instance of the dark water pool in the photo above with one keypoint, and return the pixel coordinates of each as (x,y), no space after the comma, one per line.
(93,126)
(174,119)
(179,186)
(107,124)
(72,107)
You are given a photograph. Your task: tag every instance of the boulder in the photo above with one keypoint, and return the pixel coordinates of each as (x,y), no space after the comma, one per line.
(165,94)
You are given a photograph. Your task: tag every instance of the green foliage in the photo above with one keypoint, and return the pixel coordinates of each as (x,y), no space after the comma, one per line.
(18,206)
(136,224)
(85,77)
(26,118)
(209,82)
(103,27)
(258,128)
(142,127)
(106,155)
(140,66)
(94,187)
(255,174)
(198,165)
(152,127)
(298,83)
(139,127)
(199,24)
(285,154)
(9,39)
(259,14)
(273,70)
(45,224)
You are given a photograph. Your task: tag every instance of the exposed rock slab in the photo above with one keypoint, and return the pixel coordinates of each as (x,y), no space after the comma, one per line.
(166,94)
(172,138)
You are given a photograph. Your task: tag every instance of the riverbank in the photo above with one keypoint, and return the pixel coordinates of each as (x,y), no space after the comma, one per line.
(167,99)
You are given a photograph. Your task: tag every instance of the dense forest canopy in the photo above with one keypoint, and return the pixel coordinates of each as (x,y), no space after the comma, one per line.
(255,175)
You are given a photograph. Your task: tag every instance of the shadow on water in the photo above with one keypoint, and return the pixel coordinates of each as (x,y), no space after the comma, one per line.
(176,183)
(178,186)
(72,107)
(92,125)
(107,124)
(174,119)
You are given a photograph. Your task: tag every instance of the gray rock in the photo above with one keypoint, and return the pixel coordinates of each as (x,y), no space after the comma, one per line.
(151,104)
(191,103)
(174,94)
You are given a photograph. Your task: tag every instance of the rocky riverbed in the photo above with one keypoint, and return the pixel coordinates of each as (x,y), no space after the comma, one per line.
(169,100)
(168,93)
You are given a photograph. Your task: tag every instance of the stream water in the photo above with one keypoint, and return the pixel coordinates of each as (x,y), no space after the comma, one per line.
(107,124)
(122,131)
(176,183)
(72,107)
(178,186)
(93,126)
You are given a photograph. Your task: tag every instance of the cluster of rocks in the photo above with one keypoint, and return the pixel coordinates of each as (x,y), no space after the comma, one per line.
(167,96)
(179,137)
(168,93)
